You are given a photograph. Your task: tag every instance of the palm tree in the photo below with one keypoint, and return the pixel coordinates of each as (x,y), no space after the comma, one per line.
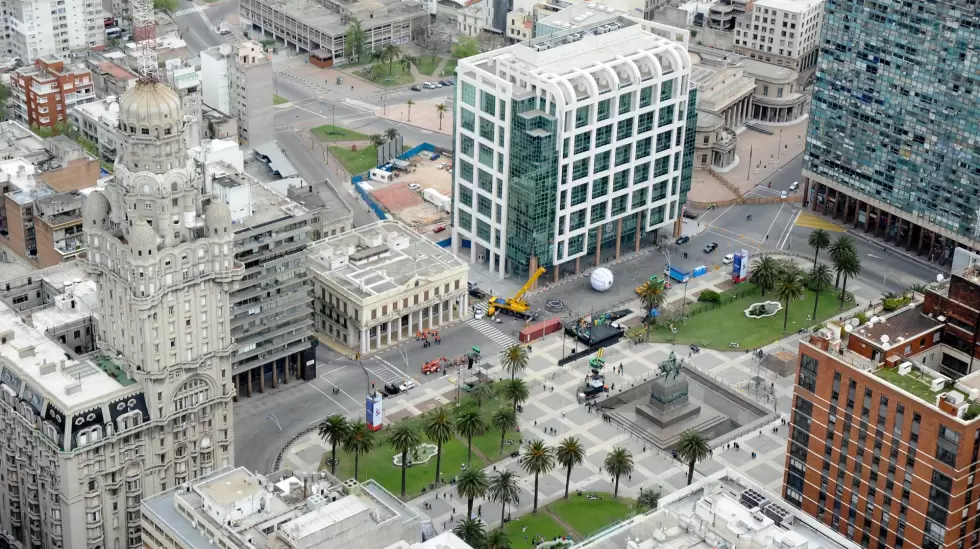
(818,240)
(438,427)
(472,484)
(359,441)
(403,437)
(505,421)
(765,273)
(537,459)
(391,134)
(653,293)
(406,63)
(409,103)
(692,448)
(841,247)
(850,265)
(389,54)
(648,498)
(515,359)
(619,462)
(376,139)
(482,391)
(569,453)
(497,539)
(442,109)
(918,288)
(788,288)
(469,423)
(504,489)
(818,280)
(333,429)
(516,391)
(471,531)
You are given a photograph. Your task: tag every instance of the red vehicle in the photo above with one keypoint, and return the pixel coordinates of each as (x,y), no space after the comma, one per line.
(434,366)
(439,229)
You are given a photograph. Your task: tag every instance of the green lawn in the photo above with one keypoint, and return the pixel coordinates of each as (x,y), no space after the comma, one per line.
(539,524)
(715,328)
(337,133)
(277,100)
(427,65)
(450,68)
(589,516)
(910,382)
(355,162)
(394,75)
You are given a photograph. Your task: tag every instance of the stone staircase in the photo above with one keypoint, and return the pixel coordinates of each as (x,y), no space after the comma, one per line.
(650,434)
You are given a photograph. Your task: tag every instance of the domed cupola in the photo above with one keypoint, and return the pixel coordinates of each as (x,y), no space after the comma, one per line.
(152,119)
(217,218)
(96,210)
(143,239)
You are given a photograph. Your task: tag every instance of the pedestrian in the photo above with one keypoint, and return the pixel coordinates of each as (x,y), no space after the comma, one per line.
(479,510)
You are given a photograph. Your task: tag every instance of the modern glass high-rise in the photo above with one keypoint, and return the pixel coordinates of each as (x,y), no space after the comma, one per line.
(573,145)
(894,139)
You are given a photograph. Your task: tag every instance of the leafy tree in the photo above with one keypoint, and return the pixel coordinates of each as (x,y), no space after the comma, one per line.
(818,280)
(439,428)
(466,46)
(692,448)
(850,266)
(840,248)
(377,139)
(442,109)
(505,421)
(359,441)
(4,94)
(409,103)
(765,273)
(619,462)
(472,484)
(653,294)
(354,41)
(403,437)
(471,531)
(569,453)
(537,459)
(515,359)
(333,429)
(516,391)
(389,54)
(482,392)
(497,539)
(391,134)
(648,499)
(788,288)
(818,240)
(168,6)
(469,423)
(504,489)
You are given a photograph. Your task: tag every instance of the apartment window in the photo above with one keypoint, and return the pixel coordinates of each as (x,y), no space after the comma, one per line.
(485,181)
(644,122)
(625,102)
(468,119)
(466,145)
(580,169)
(666,116)
(602,110)
(466,171)
(621,180)
(765,90)
(663,140)
(808,372)
(643,147)
(488,103)
(597,213)
(579,194)
(947,445)
(601,162)
(465,196)
(486,129)
(581,116)
(641,173)
(623,154)
(583,142)
(639,198)
(603,136)
(624,130)
(486,156)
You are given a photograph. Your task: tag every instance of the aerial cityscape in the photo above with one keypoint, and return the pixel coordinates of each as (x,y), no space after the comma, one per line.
(489,274)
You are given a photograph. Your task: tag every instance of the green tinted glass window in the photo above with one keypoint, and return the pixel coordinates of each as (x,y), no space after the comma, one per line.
(486,181)
(580,169)
(643,147)
(603,136)
(597,213)
(646,96)
(625,102)
(579,194)
(621,180)
(468,120)
(600,186)
(466,196)
(583,142)
(623,154)
(488,103)
(581,116)
(601,163)
(466,170)
(624,129)
(469,94)
(486,129)
(603,110)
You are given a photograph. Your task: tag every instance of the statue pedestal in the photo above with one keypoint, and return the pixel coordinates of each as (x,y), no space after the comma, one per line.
(668,403)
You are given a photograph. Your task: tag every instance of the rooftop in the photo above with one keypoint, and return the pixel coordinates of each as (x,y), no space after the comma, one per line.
(16,141)
(371,13)
(380,257)
(104,111)
(115,71)
(792,6)
(897,328)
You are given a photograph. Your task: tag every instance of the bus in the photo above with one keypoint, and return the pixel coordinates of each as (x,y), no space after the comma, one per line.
(113,33)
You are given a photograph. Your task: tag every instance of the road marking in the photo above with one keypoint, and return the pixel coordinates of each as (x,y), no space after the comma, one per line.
(715,220)
(393,367)
(789,231)
(332,371)
(360,105)
(491,332)
(188,11)
(817,222)
(309,111)
(342,407)
(348,122)
(769,230)
(341,390)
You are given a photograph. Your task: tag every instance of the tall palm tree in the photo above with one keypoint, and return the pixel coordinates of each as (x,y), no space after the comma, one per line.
(391,53)
(439,428)
(377,139)
(469,424)
(505,421)
(406,63)
(818,240)
(391,134)
(788,288)
(818,280)
(497,539)
(850,266)
(472,484)
(442,109)
(403,437)
(569,453)
(653,294)
(765,273)
(516,391)
(409,103)
(692,448)
(514,359)
(619,462)
(482,391)
(648,498)
(840,248)
(471,531)
(537,458)
(333,429)
(359,441)
(504,489)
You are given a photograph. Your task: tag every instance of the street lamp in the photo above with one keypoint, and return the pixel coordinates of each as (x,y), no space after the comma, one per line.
(275,420)
(884,277)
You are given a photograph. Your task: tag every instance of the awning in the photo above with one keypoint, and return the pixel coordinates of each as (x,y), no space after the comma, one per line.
(278,162)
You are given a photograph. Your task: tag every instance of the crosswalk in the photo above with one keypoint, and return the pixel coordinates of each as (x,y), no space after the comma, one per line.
(491,332)
(480,307)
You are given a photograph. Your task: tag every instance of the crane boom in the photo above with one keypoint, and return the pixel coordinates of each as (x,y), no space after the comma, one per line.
(514,305)
(520,293)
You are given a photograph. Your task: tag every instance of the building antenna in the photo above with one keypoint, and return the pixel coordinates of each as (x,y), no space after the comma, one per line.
(144,33)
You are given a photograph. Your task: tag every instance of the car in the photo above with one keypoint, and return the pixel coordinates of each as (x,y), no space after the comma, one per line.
(439,229)
(409,384)
(414,186)
(429,85)
(710,247)
(728,259)
(783,195)
(682,240)
(447,82)
(390,389)
(794,186)
(417,88)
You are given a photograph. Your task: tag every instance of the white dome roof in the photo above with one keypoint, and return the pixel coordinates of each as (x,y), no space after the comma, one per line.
(217,218)
(96,209)
(142,237)
(146,105)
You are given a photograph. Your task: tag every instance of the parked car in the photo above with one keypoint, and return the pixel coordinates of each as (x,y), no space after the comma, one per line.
(409,384)
(431,85)
(728,259)
(447,82)
(390,389)
(711,247)
(682,240)
(439,229)
(414,186)
(417,88)
(794,186)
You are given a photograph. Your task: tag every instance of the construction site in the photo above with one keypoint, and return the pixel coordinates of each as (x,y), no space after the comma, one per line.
(416,191)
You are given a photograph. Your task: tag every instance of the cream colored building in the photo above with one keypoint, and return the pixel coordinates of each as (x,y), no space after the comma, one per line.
(783,32)
(380,283)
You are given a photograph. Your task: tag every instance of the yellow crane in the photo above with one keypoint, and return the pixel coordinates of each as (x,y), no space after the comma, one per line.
(515,305)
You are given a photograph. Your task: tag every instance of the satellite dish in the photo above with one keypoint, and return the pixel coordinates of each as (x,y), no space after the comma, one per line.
(940,277)
(884,338)
(854,322)
(874,319)
(848,328)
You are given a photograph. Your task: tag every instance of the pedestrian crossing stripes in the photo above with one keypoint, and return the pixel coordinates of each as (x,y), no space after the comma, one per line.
(386,374)
(491,332)
(481,307)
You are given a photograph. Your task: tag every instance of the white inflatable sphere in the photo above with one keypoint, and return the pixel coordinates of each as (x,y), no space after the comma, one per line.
(601,279)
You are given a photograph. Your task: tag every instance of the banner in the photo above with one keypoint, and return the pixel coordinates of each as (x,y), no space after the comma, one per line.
(375,412)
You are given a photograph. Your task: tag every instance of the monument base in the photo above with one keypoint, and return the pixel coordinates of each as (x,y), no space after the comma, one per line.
(667,418)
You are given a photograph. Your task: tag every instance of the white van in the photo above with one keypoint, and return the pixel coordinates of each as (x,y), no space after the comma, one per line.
(794,186)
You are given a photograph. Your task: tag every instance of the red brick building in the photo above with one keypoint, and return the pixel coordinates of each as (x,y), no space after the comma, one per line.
(45,92)
(883,447)
(957,302)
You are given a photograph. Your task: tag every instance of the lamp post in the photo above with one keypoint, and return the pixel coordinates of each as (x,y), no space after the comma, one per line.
(884,277)
(275,420)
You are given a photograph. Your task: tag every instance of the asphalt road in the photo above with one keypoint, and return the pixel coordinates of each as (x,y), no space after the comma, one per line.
(197,25)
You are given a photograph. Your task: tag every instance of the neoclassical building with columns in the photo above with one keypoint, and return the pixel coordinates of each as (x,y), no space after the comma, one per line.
(381,283)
